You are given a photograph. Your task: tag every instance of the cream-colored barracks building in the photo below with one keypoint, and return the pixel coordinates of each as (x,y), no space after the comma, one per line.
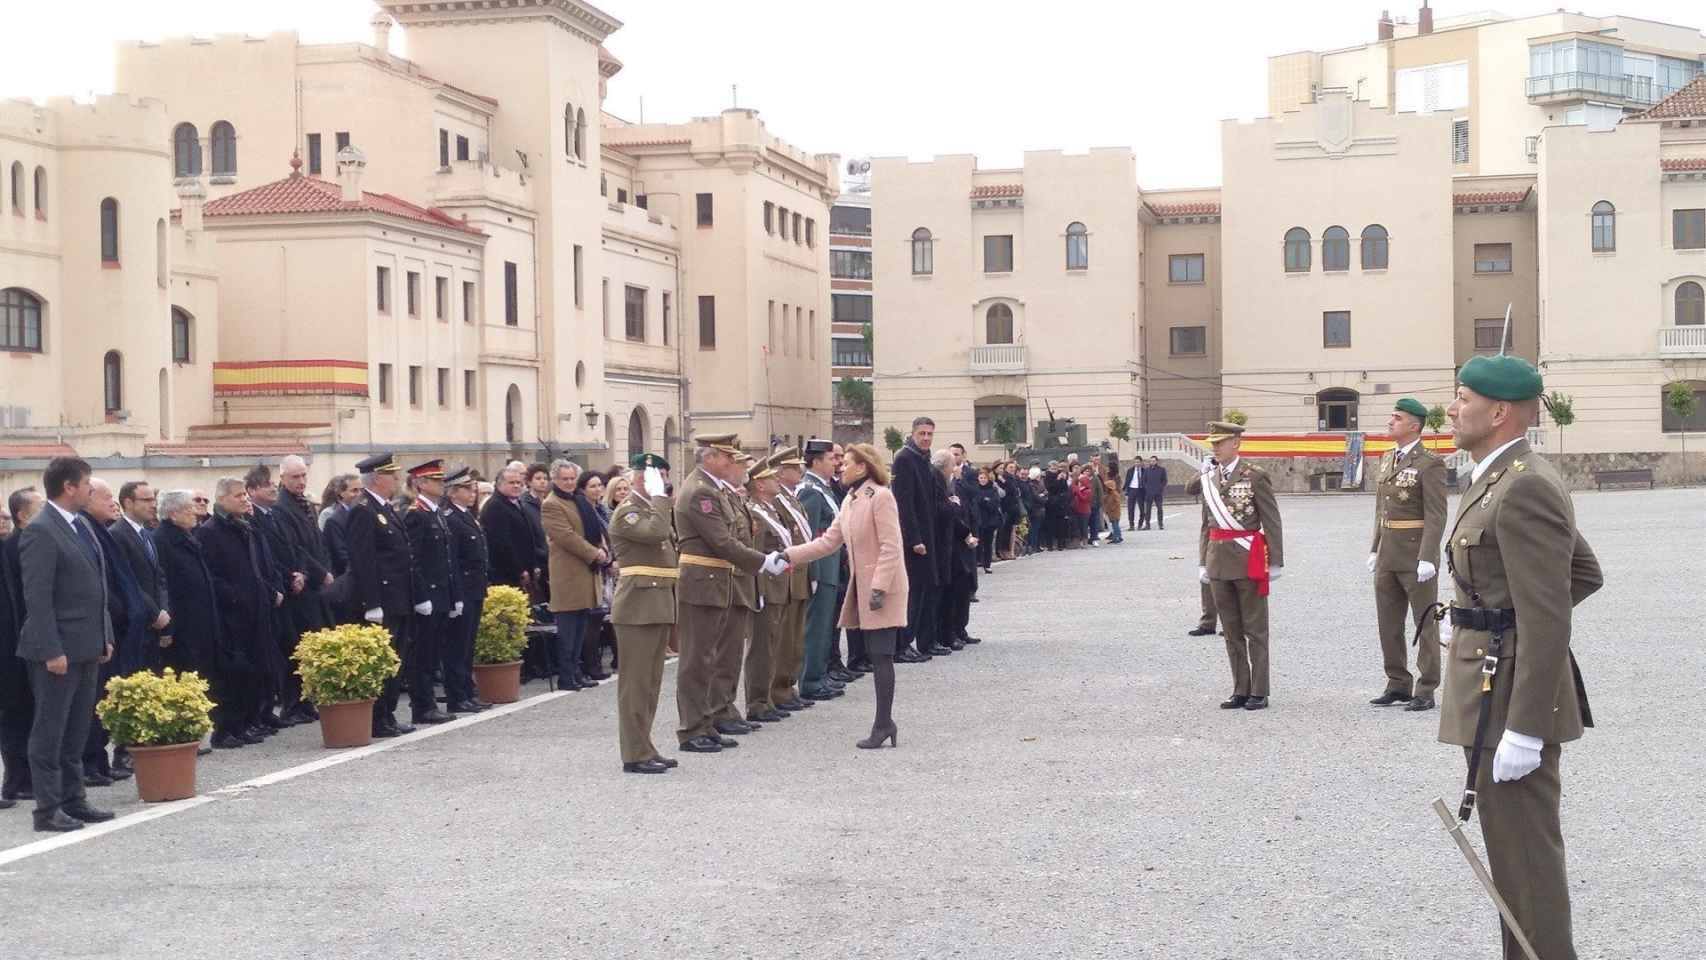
(264,247)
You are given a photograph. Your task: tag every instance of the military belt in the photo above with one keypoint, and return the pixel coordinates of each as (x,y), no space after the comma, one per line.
(1402,524)
(667,573)
(694,560)
(1483,618)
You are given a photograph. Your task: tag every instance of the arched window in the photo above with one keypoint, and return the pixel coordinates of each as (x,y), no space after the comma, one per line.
(41,193)
(638,430)
(224,138)
(512,414)
(671,438)
(17,188)
(580,134)
(1604,227)
(998,324)
(1077,246)
(109,230)
(1336,249)
(923,258)
(1375,247)
(112,382)
(1336,409)
(181,329)
(569,133)
(20,321)
(186,151)
(1297,250)
(1690,305)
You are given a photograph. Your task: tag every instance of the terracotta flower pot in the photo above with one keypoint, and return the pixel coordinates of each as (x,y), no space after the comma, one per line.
(347,724)
(165,773)
(498,682)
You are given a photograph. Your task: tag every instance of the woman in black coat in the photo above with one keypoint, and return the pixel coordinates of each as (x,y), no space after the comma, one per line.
(246,658)
(987,513)
(193,605)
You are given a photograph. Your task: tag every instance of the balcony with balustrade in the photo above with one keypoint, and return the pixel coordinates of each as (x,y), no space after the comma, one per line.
(997,359)
(1683,342)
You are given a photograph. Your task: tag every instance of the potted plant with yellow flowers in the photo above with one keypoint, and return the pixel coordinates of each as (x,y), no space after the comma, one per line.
(499,643)
(343,671)
(161,718)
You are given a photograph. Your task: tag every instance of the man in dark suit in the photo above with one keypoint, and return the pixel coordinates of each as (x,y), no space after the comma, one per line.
(66,636)
(301,609)
(336,531)
(918,495)
(469,548)
(509,533)
(132,639)
(383,567)
(1154,491)
(133,532)
(249,596)
(1133,487)
(437,587)
(307,607)
(17,706)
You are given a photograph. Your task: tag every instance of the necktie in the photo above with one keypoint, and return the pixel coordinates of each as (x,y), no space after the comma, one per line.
(88,541)
(148,544)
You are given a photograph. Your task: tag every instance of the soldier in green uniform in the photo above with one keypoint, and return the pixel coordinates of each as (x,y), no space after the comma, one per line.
(715,593)
(1242,552)
(1409,519)
(791,647)
(642,535)
(771,534)
(1513,693)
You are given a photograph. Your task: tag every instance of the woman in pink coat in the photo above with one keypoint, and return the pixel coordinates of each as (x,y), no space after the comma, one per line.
(869,526)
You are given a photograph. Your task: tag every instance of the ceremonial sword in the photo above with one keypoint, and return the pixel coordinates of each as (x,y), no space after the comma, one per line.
(1454,827)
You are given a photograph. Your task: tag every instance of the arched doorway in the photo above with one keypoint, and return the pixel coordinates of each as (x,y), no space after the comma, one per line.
(639,432)
(1336,409)
(512,414)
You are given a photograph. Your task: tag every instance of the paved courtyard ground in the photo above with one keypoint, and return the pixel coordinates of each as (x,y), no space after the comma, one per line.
(1066,789)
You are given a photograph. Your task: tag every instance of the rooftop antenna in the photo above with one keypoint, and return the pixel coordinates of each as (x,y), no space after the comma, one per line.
(734,95)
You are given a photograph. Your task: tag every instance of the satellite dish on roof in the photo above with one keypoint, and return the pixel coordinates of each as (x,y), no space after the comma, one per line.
(858,167)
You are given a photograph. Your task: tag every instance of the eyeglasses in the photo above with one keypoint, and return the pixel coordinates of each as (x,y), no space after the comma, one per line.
(201,500)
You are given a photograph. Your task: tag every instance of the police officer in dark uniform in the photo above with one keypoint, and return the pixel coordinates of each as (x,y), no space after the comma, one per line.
(468,546)
(383,568)
(437,590)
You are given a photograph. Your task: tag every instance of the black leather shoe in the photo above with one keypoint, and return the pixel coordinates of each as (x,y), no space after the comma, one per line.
(669,762)
(259,732)
(726,742)
(860,667)
(95,778)
(956,644)
(121,761)
(6,804)
(798,705)
(843,676)
(1199,632)
(401,729)
(969,640)
(733,727)
(80,810)
(1390,697)
(118,773)
(226,741)
(768,716)
(1419,704)
(203,750)
(1256,703)
(432,717)
(908,655)
(938,650)
(386,732)
(824,694)
(645,766)
(1234,702)
(702,745)
(55,821)
(273,721)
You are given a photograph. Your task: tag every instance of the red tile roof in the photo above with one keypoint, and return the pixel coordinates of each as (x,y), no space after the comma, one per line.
(998,190)
(610,141)
(300,194)
(1687,103)
(1676,164)
(35,451)
(1208,208)
(1496,198)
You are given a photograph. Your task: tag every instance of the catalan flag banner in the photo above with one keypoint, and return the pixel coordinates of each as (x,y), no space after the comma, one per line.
(274,378)
(1325,444)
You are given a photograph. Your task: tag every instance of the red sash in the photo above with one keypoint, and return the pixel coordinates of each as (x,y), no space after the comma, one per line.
(1257,569)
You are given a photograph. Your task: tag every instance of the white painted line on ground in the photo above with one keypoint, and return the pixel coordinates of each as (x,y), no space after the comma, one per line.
(156,811)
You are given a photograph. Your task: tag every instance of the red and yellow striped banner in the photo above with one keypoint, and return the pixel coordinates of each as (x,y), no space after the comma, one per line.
(1325,444)
(259,378)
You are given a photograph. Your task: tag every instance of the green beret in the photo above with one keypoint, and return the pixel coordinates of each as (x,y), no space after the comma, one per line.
(641,461)
(1501,378)
(1413,407)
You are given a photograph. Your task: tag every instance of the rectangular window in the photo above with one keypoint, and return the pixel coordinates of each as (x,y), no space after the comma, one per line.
(441,297)
(342,140)
(850,264)
(1460,141)
(385,384)
(811,334)
(412,288)
(470,306)
(313,154)
(1336,328)
(849,308)
(512,305)
(468,389)
(1492,258)
(634,313)
(384,281)
(988,417)
(797,221)
(444,148)
(782,222)
(1688,229)
(444,386)
(1184,268)
(640,201)
(414,386)
(663,316)
(850,220)
(1487,333)
(702,209)
(1694,423)
(707,323)
(621,195)
(998,254)
(1187,341)
(462,148)
(770,326)
(579,267)
(850,353)
(769,217)
(811,233)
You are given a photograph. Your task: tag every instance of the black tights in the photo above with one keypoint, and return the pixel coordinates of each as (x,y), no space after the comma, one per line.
(882,668)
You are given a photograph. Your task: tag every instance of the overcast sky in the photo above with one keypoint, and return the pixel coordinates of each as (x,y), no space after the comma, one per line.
(882,78)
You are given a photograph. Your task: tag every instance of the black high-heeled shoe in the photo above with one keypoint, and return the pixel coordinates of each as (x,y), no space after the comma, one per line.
(877,737)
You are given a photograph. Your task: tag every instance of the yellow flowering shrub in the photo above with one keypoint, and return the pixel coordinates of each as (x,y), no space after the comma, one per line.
(156,710)
(344,663)
(503,626)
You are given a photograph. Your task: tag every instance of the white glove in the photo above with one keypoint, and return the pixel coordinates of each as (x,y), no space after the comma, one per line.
(1274,573)
(1373,561)
(1518,756)
(775,564)
(376,615)
(1208,466)
(456,610)
(1424,571)
(1202,574)
(424,608)
(1445,634)
(652,480)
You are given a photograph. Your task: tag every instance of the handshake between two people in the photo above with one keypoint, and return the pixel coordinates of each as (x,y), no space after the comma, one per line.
(776,564)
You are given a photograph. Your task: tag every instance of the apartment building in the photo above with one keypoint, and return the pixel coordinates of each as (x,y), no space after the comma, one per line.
(852,320)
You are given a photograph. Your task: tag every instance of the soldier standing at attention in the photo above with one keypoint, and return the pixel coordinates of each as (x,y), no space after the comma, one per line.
(642,535)
(791,647)
(1520,566)
(715,592)
(764,653)
(474,573)
(1409,519)
(437,588)
(383,568)
(822,504)
(1242,554)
